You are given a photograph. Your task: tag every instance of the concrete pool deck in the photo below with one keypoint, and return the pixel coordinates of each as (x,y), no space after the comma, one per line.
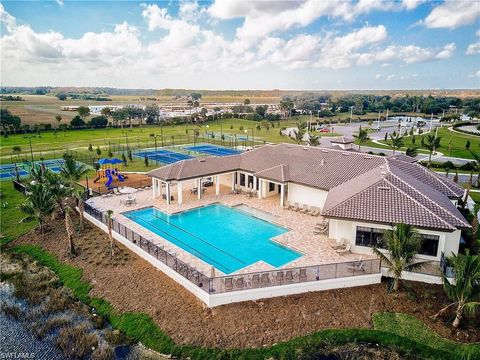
(316,249)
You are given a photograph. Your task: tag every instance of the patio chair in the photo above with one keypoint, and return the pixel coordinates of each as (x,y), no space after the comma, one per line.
(228,284)
(302,276)
(345,250)
(315,211)
(304,209)
(280,277)
(339,244)
(296,207)
(256,280)
(239,283)
(289,276)
(265,279)
(357,265)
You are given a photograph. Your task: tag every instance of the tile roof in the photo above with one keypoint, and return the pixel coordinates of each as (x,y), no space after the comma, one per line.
(365,187)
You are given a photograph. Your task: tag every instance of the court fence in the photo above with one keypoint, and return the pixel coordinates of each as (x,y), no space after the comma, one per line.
(238,282)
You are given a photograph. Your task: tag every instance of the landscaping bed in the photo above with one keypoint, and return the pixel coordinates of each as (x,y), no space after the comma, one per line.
(131,284)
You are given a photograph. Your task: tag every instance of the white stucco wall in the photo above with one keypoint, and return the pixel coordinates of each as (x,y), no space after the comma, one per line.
(346,229)
(306,195)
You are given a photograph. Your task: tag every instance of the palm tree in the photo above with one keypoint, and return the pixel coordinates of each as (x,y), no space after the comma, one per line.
(403,244)
(476,209)
(431,142)
(71,171)
(81,206)
(298,135)
(313,140)
(362,137)
(110,236)
(70,231)
(463,291)
(476,165)
(396,142)
(59,188)
(412,151)
(39,204)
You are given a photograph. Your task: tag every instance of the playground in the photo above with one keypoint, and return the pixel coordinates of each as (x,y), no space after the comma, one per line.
(130,180)
(109,172)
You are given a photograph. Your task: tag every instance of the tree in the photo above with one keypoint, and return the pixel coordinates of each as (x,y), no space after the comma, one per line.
(39,204)
(261,110)
(110,236)
(83,112)
(152,112)
(72,171)
(98,151)
(146,161)
(362,137)
(8,121)
(412,151)
(106,111)
(77,122)
(464,290)
(246,102)
(124,159)
(90,147)
(286,105)
(119,116)
(70,231)
(196,96)
(61,96)
(16,150)
(98,121)
(59,119)
(313,140)
(431,142)
(467,145)
(476,209)
(403,244)
(396,141)
(476,165)
(81,206)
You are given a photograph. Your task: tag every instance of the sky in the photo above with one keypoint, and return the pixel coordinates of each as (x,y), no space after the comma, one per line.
(235,44)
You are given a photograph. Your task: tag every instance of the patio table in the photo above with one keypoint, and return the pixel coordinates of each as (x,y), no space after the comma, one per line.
(127,190)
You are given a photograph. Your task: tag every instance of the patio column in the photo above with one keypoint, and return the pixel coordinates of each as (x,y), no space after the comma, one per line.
(154,190)
(254,185)
(159,187)
(180,192)
(233,181)
(199,188)
(282,194)
(168,193)
(260,188)
(217,185)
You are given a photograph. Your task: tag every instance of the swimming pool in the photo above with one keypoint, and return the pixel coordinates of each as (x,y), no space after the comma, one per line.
(223,237)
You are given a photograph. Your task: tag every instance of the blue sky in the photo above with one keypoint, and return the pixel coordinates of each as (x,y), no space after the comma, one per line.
(231,44)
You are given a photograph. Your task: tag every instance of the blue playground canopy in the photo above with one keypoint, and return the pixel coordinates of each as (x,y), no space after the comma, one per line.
(104,161)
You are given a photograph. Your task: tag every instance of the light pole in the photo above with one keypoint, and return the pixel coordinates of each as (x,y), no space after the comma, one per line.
(351,114)
(31,151)
(155,139)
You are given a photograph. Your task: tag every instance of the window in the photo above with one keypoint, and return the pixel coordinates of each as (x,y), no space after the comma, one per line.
(242,179)
(250,181)
(367,236)
(429,244)
(271,186)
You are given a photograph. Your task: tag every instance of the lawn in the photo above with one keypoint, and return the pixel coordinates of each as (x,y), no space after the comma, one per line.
(451,143)
(10,214)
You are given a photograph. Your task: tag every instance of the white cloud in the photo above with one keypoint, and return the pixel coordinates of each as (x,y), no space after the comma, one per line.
(7,20)
(378,76)
(453,14)
(409,54)
(473,49)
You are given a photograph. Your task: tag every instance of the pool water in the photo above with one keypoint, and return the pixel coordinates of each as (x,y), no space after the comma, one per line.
(224,237)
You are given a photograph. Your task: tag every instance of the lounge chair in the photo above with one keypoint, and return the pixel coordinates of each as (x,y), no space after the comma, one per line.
(339,244)
(239,283)
(345,250)
(256,280)
(304,209)
(296,207)
(302,276)
(280,277)
(357,265)
(228,284)
(265,279)
(315,211)
(289,276)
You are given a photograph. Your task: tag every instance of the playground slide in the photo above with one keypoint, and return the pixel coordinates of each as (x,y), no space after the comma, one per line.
(110,179)
(120,177)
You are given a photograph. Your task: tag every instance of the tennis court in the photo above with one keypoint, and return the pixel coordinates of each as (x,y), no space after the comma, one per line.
(9,171)
(213,150)
(163,156)
(52,164)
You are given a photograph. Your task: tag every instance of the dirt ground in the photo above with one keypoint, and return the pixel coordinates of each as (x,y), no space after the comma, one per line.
(132,284)
(132,180)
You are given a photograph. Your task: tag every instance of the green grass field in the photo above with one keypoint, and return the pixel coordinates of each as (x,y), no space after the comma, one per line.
(451,143)
(10,214)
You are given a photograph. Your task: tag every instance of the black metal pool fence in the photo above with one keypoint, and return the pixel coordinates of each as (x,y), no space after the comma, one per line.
(221,284)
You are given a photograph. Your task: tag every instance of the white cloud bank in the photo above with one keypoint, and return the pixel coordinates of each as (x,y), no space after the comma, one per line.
(188,46)
(453,14)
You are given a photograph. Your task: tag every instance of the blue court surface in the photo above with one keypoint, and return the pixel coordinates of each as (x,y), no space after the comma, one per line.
(213,150)
(163,156)
(8,171)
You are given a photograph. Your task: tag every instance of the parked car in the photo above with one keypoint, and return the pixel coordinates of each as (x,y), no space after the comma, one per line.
(325,130)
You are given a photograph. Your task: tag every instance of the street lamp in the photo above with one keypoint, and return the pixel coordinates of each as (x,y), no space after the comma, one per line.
(31,152)
(155,139)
